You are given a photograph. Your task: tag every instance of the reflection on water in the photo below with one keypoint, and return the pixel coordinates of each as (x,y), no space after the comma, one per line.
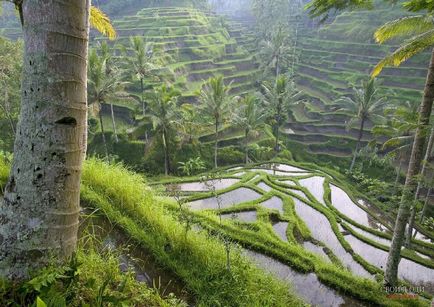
(319,250)
(262,185)
(226,200)
(280,230)
(411,271)
(244,216)
(321,230)
(134,257)
(315,187)
(218,184)
(371,236)
(343,203)
(305,285)
(282,167)
(274,203)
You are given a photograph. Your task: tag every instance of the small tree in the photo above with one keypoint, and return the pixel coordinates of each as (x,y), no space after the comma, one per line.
(216,103)
(250,118)
(104,84)
(278,99)
(363,107)
(164,115)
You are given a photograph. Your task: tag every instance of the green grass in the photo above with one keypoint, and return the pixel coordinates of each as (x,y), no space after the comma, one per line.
(199,260)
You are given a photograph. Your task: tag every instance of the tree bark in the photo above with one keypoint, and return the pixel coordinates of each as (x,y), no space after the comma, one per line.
(104,141)
(114,123)
(418,189)
(425,205)
(142,90)
(398,175)
(391,274)
(246,146)
(359,139)
(166,154)
(216,143)
(39,215)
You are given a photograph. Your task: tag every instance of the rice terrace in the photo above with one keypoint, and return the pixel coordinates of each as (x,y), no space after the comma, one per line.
(216,153)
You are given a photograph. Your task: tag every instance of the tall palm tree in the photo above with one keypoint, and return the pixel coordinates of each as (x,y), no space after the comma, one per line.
(216,103)
(364,106)
(420,183)
(164,116)
(276,52)
(250,118)
(278,98)
(400,129)
(190,121)
(421,31)
(143,63)
(104,84)
(40,209)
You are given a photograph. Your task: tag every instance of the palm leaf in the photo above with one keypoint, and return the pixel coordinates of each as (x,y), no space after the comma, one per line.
(414,46)
(101,22)
(405,26)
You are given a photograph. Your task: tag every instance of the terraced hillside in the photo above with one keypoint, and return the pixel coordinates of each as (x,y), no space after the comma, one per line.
(302,223)
(200,44)
(332,60)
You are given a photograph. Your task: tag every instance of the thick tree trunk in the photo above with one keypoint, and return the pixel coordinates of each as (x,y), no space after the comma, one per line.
(216,143)
(115,132)
(104,141)
(39,215)
(409,233)
(359,139)
(391,274)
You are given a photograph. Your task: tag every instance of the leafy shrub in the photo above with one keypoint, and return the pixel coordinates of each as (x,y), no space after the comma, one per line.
(230,155)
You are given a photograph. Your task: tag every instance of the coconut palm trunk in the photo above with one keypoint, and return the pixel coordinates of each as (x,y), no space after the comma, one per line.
(246,144)
(359,139)
(391,274)
(142,91)
(398,174)
(426,204)
(216,143)
(166,153)
(429,147)
(104,141)
(115,132)
(39,215)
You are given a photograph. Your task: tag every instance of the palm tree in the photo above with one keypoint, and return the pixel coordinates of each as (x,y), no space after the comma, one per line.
(190,121)
(164,115)
(420,182)
(250,118)
(104,84)
(276,53)
(421,30)
(40,209)
(143,63)
(216,103)
(399,129)
(364,106)
(278,98)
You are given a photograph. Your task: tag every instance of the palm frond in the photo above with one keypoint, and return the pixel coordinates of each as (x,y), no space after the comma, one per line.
(101,22)
(414,46)
(406,26)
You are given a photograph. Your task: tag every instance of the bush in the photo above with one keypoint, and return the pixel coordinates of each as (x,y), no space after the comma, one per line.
(230,155)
